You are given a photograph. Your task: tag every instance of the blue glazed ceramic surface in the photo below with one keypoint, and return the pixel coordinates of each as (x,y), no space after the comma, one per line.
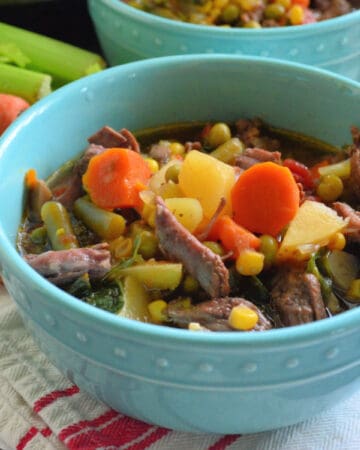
(127,34)
(203,382)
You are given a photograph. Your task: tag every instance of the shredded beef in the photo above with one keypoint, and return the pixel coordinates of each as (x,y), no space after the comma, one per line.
(160,152)
(192,145)
(213,314)
(296,297)
(326,9)
(109,138)
(355,172)
(65,266)
(252,156)
(180,245)
(352,230)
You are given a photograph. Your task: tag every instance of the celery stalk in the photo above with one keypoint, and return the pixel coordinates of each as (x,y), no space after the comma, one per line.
(64,62)
(24,83)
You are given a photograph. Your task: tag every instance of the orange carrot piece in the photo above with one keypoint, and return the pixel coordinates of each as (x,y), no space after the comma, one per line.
(233,237)
(10,107)
(303,3)
(115,177)
(265,198)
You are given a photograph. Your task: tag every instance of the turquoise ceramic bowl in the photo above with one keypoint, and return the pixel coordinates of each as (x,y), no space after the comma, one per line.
(127,34)
(201,382)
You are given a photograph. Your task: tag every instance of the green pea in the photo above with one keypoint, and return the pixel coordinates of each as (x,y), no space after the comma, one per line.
(190,284)
(39,235)
(215,247)
(219,134)
(274,11)
(230,14)
(172,173)
(268,247)
(149,244)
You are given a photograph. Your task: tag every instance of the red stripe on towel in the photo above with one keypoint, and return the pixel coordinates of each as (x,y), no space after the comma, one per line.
(76,427)
(156,435)
(28,436)
(110,430)
(53,396)
(225,441)
(118,433)
(46,432)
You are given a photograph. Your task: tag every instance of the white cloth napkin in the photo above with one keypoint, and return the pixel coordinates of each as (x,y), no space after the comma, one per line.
(41,409)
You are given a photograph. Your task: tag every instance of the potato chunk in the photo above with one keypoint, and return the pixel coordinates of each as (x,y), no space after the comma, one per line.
(208,180)
(188,211)
(312,227)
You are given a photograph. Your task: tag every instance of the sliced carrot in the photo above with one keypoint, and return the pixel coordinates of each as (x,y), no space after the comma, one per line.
(115,177)
(265,198)
(232,236)
(303,3)
(10,107)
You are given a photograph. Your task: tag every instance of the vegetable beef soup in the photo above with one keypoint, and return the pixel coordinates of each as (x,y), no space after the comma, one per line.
(247,13)
(209,227)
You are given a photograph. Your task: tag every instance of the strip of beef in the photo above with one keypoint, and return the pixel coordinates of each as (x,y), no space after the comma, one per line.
(213,314)
(328,9)
(109,138)
(160,152)
(180,245)
(68,187)
(65,266)
(251,134)
(355,171)
(296,297)
(352,230)
(252,156)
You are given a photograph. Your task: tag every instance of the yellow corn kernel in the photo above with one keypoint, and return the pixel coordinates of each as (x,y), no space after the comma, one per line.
(156,310)
(243,318)
(337,242)
(296,15)
(285,3)
(151,219)
(248,5)
(176,148)
(195,326)
(153,164)
(250,262)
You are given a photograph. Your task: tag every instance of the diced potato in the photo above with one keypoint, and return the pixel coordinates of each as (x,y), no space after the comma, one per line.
(312,227)
(208,180)
(136,301)
(188,211)
(155,274)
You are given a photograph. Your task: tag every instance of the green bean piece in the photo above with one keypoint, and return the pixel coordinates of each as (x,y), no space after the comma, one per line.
(228,151)
(58,226)
(105,224)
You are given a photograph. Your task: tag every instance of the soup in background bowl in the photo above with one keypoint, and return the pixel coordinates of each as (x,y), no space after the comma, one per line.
(127,34)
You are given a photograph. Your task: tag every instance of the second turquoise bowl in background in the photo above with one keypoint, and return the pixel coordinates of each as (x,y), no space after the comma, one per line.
(128,34)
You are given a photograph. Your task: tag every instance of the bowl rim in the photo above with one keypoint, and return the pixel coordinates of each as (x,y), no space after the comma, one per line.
(154,21)
(110,322)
